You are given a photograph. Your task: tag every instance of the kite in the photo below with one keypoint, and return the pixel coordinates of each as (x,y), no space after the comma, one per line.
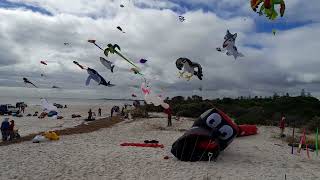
(143,61)
(133,95)
(82,67)
(181,18)
(26,81)
(113,49)
(46,106)
(120,29)
(94,42)
(188,68)
(66,43)
(229,45)
(121,5)
(209,135)
(135,71)
(93,74)
(268,8)
(44,63)
(151,98)
(274,32)
(55,87)
(107,64)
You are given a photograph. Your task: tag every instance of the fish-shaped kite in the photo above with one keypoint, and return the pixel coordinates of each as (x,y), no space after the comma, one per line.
(107,64)
(93,74)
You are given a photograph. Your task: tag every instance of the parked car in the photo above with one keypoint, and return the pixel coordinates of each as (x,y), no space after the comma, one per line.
(8,109)
(59,106)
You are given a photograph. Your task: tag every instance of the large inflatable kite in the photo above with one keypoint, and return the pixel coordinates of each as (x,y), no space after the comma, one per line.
(209,135)
(189,68)
(229,45)
(268,8)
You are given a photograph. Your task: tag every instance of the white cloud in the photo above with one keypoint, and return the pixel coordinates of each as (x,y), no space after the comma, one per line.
(286,61)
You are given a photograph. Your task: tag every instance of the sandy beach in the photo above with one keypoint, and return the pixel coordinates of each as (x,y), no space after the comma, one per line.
(28,125)
(98,155)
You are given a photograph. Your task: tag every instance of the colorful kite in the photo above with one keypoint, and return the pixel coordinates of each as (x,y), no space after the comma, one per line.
(268,8)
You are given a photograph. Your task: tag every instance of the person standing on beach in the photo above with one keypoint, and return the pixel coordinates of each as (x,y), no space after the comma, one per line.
(282,125)
(90,114)
(169,113)
(99,111)
(5,125)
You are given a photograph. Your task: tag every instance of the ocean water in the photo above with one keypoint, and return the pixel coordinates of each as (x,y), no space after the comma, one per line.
(31,96)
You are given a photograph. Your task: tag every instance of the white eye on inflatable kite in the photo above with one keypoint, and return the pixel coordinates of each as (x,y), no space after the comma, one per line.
(226,132)
(205,113)
(214,120)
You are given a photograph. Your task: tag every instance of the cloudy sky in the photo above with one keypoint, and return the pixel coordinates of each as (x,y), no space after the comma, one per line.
(35,30)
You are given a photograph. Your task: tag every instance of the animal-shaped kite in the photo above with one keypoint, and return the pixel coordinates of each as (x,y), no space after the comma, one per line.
(189,68)
(113,49)
(268,8)
(26,81)
(93,74)
(229,45)
(151,98)
(210,134)
(107,64)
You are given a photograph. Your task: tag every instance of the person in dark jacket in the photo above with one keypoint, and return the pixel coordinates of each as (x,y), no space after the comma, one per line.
(5,129)
(90,114)
(99,111)
(11,130)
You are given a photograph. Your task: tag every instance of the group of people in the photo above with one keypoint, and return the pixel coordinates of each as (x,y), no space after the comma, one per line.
(7,130)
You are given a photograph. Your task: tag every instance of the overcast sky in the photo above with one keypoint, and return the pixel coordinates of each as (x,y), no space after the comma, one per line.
(35,30)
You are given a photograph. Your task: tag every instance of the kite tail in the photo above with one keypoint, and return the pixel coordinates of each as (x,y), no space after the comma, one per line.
(112,68)
(119,54)
(34,85)
(98,46)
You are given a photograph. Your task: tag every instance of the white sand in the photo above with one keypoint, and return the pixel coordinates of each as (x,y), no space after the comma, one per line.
(98,155)
(29,125)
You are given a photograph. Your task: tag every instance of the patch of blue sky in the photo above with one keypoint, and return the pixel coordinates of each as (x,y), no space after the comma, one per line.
(13,5)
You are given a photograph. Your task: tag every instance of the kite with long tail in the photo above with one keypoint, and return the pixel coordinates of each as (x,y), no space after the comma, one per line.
(26,81)
(112,49)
